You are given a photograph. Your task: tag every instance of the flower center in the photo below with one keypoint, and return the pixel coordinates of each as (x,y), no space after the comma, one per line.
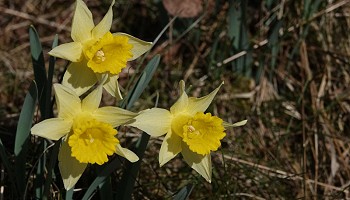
(108,54)
(92,141)
(99,56)
(192,129)
(192,133)
(202,133)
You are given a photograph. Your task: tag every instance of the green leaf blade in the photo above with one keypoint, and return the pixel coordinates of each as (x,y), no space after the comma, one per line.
(23,134)
(39,69)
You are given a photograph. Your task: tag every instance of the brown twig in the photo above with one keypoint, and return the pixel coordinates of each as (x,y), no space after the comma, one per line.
(38,20)
(283,174)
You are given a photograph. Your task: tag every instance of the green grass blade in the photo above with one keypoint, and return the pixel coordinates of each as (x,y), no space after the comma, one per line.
(310,8)
(141,83)
(39,69)
(307,9)
(22,136)
(238,33)
(184,193)
(234,24)
(274,45)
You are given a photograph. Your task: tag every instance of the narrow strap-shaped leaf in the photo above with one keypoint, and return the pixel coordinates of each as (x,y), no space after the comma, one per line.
(69,194)
(184,192)
(133,95)
(141,83)
(52,61)
(132,169)
(39,182)
(50,169)
(101,177)
(22,136)
(274,44)
(39,69)
(49,113)
(238,33)
(309,9)
(8,167)
(41,81)
(106,189)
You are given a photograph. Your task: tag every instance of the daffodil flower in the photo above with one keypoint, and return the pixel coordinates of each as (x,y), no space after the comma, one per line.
(188,130)
(96,51)
(87,132)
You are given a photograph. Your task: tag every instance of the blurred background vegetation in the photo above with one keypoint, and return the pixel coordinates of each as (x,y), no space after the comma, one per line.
(286,68)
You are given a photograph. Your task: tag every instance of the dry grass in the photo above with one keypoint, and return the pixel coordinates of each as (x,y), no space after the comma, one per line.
(297,101)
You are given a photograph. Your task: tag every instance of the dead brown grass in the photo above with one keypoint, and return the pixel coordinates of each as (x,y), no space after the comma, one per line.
(296,143)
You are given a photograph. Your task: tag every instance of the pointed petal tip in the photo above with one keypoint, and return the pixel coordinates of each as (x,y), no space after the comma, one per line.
(67,187)
(161,164)
(240,123)
(139,46)
(126,153)
(244,122)
(71,51)
(83,23)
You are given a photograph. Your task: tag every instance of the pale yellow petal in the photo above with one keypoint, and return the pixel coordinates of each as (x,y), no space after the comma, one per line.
(114,115)
(182,103)
(126,153)
(105,24)
(92,101)
(71,169)
(240,123)
(155,121)
(201,104)
(112,86)
(72,51)
(82,24)
(52,129)
(68,103)
(171,146)
(200,163)
(79,77)
(139,46)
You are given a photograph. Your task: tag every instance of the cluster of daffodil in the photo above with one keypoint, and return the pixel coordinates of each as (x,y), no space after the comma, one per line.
(87,131)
